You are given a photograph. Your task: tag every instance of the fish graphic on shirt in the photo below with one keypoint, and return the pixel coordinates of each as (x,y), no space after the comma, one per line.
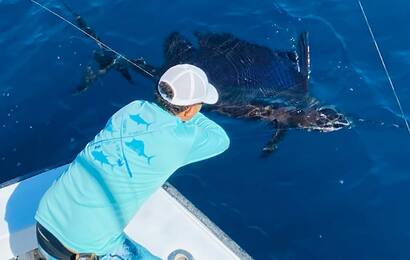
(101,157)
(139,147)
(139,120)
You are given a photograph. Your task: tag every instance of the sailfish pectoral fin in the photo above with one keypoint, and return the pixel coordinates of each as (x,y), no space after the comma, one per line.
(87,80)
(272,144)
(125,73)
(89,77)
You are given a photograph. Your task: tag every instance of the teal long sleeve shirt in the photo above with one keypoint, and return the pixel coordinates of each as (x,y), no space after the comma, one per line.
(88,207)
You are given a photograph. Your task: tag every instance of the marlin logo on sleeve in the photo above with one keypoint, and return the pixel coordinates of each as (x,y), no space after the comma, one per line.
(139,147)
(139,120)
(101,157)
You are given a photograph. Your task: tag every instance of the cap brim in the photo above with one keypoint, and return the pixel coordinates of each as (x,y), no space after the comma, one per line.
(212,95)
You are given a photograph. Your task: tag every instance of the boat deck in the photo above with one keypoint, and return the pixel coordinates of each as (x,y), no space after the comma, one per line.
(166,223)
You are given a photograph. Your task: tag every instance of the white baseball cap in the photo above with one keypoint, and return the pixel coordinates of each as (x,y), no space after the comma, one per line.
(190,86)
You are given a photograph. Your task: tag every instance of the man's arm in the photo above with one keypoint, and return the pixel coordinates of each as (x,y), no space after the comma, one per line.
(210,139)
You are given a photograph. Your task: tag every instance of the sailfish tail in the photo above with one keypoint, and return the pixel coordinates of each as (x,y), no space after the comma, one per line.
(81,23)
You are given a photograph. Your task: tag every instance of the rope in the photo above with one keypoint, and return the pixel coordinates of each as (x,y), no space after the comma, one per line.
(384,66)
(94,38)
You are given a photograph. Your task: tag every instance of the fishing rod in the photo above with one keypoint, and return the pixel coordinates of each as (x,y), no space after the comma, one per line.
(93,37)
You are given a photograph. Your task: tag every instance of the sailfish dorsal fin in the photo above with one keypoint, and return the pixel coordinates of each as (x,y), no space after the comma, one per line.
(303,56)
(223,42)
(177,48)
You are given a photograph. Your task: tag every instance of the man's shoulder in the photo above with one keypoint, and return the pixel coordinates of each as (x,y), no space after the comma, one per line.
(140,106)
(137,104)
(148,114)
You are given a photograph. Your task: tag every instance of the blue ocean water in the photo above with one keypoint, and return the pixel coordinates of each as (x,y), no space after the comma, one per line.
(341,195)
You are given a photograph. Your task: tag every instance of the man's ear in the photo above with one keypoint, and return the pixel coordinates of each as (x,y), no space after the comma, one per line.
(189,111)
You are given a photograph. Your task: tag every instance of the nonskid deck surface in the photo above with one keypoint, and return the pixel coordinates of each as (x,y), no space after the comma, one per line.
(183,227)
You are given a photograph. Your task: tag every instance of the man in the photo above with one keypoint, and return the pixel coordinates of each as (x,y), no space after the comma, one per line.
(85,211)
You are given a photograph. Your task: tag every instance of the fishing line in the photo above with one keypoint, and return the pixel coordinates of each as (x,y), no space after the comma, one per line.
(384,66)
(100,43)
